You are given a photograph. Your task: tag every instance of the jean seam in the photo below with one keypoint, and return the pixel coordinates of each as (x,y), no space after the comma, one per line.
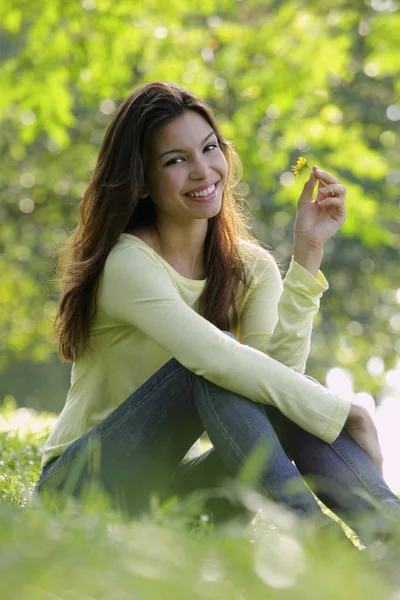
(357,473)
(68,464)
(231,440)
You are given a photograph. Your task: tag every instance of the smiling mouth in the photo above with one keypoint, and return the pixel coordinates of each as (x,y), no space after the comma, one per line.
(207,197)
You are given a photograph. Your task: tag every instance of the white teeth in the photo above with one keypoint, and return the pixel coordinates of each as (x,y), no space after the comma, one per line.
(203,193)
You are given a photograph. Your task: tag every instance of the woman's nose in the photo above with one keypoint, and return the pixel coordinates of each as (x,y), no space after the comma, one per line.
(200,167)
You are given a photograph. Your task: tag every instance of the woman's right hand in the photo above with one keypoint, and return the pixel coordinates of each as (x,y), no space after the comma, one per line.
(362,429)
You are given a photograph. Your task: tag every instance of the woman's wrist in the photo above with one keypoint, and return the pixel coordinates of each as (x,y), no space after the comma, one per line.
(309,257)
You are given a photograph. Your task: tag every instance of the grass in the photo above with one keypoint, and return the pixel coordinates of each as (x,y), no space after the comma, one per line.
(87,551)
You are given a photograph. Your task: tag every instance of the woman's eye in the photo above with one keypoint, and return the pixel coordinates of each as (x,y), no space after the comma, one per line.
(172,162)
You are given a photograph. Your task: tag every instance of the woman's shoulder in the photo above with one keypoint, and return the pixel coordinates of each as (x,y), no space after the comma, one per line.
(138,238)
(143,234)
(130,249)
(258,261)
(254,252)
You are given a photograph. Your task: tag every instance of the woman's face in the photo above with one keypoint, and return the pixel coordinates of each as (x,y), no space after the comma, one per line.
(184,155)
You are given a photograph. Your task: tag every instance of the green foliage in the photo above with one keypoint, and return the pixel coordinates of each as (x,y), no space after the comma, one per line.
(22,435)
(172,551)
(319,80)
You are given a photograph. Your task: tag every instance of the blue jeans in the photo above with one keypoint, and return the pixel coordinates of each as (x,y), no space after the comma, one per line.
(138,449)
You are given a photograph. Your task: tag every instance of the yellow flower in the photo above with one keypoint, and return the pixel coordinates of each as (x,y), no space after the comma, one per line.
(299,166)
(302,162)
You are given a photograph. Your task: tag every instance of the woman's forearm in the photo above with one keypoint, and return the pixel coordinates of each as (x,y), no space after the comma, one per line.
(308,257)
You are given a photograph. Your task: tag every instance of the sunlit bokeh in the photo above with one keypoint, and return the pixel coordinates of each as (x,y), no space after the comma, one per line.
(386,415)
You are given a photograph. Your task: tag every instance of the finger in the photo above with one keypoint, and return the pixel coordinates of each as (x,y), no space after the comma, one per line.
(306,194)
(325,176)
(336,188)
(378,465)
(336,202)
(336,210)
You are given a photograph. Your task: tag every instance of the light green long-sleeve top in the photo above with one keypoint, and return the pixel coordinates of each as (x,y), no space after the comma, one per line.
(147,313)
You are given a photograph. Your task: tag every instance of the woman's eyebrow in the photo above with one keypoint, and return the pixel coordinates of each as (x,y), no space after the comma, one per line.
(180,149)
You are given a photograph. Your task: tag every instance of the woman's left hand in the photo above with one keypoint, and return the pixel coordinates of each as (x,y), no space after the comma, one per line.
(318,219)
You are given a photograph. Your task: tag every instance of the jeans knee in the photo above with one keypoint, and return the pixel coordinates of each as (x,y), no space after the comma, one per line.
(229,333)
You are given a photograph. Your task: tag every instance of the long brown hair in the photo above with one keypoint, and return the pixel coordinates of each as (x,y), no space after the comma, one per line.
(111,206)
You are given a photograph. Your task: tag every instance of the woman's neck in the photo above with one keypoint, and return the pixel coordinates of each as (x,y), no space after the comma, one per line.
(182,252)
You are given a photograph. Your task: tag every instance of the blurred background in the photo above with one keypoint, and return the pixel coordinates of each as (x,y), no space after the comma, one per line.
(284,79)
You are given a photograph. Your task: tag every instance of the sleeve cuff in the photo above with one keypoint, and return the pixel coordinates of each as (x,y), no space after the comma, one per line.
(338,421)
(315,286)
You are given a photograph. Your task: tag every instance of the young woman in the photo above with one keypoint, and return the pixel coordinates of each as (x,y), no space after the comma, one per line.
(177,323)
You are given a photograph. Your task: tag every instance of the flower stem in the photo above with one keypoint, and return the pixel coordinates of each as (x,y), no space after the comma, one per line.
(322,181)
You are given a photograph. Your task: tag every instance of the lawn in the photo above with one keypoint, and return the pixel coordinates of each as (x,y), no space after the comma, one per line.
(87,551)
